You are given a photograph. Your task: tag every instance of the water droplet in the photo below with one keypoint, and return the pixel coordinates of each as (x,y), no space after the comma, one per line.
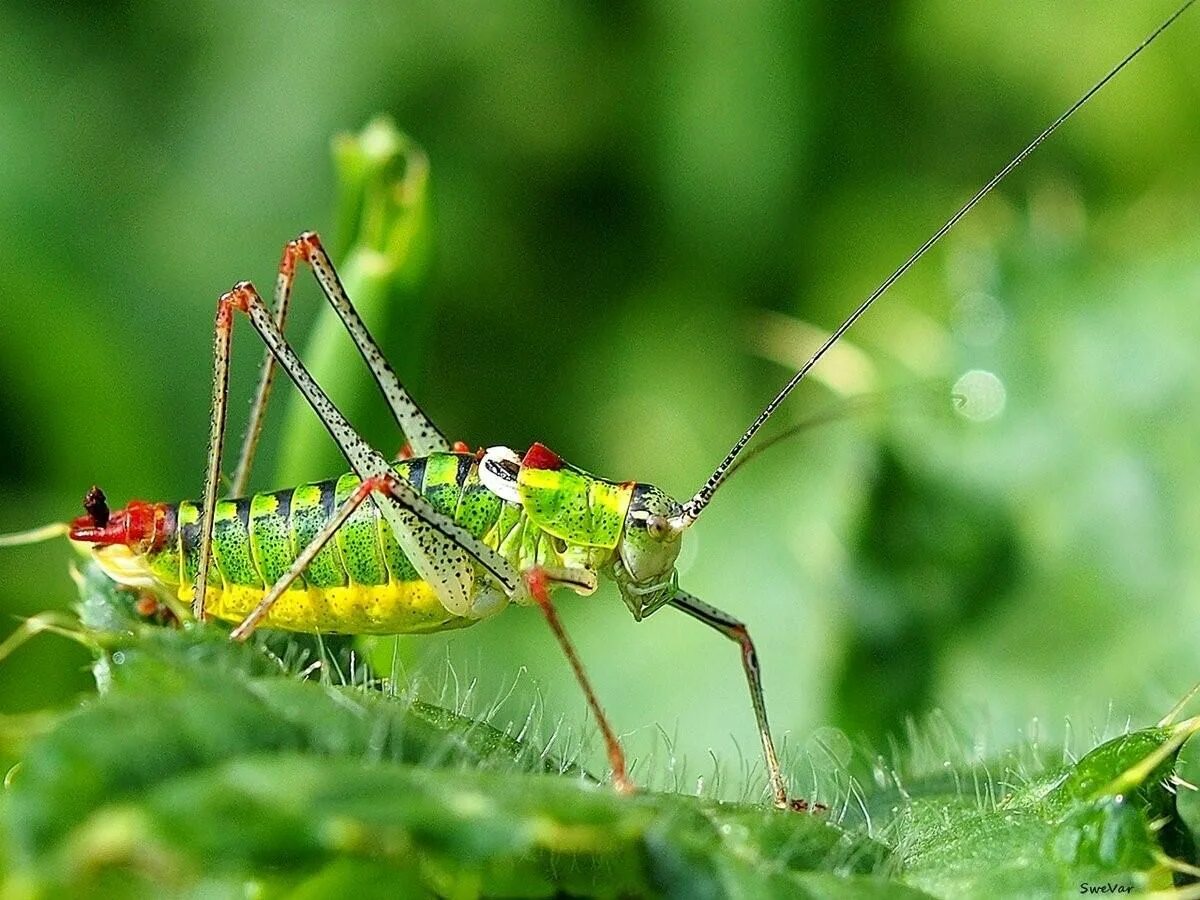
(118,658)
(978,395)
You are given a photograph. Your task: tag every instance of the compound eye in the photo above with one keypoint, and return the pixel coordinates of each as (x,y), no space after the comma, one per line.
(657,526)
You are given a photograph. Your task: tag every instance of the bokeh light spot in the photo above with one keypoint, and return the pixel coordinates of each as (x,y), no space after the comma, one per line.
(979,395)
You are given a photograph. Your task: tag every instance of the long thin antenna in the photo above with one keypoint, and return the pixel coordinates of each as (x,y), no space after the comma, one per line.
(695,506)
(35,535)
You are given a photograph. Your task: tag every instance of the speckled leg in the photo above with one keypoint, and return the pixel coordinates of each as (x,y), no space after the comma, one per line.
(736,631)
(421,434)
(222,336)
(442,550)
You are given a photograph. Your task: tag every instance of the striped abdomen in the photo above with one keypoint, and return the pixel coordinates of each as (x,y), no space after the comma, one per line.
(361,582)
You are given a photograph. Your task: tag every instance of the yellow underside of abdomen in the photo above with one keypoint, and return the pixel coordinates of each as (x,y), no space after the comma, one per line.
(398,607)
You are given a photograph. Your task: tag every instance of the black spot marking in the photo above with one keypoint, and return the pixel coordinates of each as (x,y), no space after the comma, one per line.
(328,500)
(242,508)
(284,500)
(465,462)
(416,473)
(189,537)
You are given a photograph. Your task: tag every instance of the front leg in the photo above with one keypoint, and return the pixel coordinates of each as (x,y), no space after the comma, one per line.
(736,631)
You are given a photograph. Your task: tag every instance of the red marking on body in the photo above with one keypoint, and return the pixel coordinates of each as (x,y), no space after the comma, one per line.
(405,451)
(461,447)
(139,525)
(539,456)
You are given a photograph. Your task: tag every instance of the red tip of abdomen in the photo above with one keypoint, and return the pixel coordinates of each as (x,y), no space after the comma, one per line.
(539,456)
(140,525)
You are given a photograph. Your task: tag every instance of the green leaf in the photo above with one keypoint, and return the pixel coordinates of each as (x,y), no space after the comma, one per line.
(1096,821)
(206,762)
(194,762)
(204,765)
(1187,801)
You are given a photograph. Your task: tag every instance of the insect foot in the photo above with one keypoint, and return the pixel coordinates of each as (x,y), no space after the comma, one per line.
(800,805)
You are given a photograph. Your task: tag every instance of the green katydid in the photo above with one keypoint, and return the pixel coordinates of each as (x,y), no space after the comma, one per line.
(442,539)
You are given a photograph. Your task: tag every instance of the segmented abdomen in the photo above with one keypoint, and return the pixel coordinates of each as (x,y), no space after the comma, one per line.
(361,582)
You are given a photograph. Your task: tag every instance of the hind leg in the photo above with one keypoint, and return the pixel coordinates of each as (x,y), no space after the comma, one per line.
(421,434)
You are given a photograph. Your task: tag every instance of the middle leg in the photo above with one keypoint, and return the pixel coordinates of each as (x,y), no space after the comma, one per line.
(537,582)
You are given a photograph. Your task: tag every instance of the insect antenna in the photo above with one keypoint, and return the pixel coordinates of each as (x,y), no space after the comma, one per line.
(35,535)
(838,413)
(846,409)
(695,506)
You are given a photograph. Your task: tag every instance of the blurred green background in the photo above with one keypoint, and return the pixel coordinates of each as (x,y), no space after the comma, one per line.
(638,213)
